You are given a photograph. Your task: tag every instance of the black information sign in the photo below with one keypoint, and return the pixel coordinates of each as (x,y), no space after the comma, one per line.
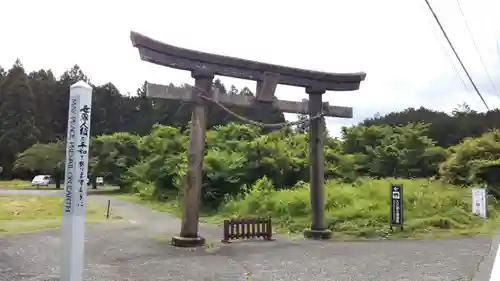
(396,205)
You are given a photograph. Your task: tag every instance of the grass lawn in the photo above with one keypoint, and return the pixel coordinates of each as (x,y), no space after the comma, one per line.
(20,214)
(355,211)
(14,184)
(26,185)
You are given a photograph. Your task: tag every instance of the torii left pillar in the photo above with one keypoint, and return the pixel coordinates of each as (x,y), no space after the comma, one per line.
(189,236)
(318,228)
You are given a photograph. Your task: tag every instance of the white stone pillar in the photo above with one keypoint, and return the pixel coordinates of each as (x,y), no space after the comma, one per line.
(75,182)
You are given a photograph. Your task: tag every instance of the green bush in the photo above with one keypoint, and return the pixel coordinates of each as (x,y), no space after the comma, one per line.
(362,209)
(239,155)
(470,157)
(112,155)
(163,161)
(248,172)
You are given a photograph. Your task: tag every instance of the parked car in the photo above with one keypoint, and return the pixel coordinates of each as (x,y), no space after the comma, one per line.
(41,180)
(99,181)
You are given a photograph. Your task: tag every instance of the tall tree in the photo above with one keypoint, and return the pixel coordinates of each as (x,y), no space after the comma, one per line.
(61,99)
(18,129)
(43,84)
(43,158)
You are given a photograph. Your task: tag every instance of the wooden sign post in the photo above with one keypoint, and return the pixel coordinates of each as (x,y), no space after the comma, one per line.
(204,67)
(396,205)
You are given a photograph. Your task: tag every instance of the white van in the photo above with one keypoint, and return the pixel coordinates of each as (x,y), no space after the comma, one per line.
(41,180)
(99,181)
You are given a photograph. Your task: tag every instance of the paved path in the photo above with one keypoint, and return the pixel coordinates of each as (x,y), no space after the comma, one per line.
(133,250)
(41,192)
(485,268)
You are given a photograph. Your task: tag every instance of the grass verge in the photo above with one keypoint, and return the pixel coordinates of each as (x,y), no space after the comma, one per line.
(19,214)
(355,211)
(170,204)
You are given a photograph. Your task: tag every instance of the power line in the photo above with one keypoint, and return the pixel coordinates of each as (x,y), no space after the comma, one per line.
(450,60)
(457,72)
(477,49)
(498,49)
(456,55)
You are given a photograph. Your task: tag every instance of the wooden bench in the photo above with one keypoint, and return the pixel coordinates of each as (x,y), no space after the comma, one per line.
(247,229)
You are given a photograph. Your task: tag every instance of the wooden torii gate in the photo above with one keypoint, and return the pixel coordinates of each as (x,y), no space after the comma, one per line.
(203,67)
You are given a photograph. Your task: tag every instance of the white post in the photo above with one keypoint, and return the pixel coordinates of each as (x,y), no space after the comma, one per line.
(75,182)
(479,202)
(495,271)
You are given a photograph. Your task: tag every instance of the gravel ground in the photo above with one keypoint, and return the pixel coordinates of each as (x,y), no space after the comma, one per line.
(134,250)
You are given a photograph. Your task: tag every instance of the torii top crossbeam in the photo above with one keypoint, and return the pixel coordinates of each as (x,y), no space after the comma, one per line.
(180,58)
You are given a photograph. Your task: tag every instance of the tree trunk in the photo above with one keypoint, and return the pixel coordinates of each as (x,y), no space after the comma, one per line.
(57,175)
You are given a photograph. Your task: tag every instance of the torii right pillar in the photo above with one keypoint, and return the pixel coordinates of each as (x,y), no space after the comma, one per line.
(318,228)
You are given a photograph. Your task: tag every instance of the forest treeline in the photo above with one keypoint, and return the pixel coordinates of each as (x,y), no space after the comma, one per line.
(34,109)
(128,149)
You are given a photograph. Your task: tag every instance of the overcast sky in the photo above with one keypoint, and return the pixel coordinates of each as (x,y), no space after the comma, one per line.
(397,43)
